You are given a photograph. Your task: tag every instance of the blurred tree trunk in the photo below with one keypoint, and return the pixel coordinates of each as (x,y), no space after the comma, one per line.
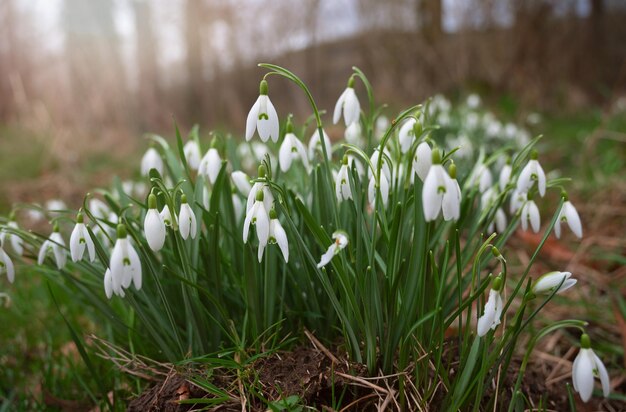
(194,13)
(148,85)
(429,18)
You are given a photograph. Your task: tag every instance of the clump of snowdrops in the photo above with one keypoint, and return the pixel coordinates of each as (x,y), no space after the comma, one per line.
(385,242)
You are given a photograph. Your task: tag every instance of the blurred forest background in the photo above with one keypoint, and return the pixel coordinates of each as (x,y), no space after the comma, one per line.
(81,81)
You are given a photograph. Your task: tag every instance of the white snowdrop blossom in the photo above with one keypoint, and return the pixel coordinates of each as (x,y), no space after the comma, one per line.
(124,266)
(569,215)
(586,367)
(56,245)
(505,176)
(277,236)
(382,124)
(383,188)
(386,167)
(98,208)
(292,149)
(422,161)
(210,165)
(262,117)
(154,226)
(342,182)
(17,243)
(166,215)
(237,206)
(482,178)
(530,174)
(6,265)
(315,145)
(473,101)
(440,192)
(241,181)
(186,219)
(348,103)
(530,214)
(258,216)
(517,200)
(340,242)
(151,160)
(493,309)
(55,205)
(546,284)
(499,221)
(353,133)
(407,134)
(80,239)
(192,154)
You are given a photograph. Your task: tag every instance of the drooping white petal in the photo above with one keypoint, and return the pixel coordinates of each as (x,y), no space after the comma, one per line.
(557,225)
(273,121)
(284,153)
(281,238)
(584,374)
(541,180)
(151,160)
(327,256)
(533,216)
(108,284)
(90,245)
(241,181)
(154,229)
(406,135)
(451,202)
(42,252)
(117,264)
(342,184)
(500,220)
(58,249)
(251,120)
(353,133)
(603,375)
(339,106)
(262,223)
(505,176)
(210,165)
(422,161)
(573,219)
(524,182)
(7,266)
(315,145)
(351,107)
(187,221)
(77,242)
(248,220)
(166,215)
(192,154)
(432,192)
(135,266)
(486,321)
(264,123)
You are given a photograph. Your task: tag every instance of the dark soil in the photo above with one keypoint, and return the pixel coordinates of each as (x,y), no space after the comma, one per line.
(319,382)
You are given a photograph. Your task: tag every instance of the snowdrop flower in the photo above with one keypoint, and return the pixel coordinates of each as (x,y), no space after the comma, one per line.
(517,201)
(6,265)
(340,242)
(262,117)
(98,208)
(55,205)
(493,309)
(186,219)
(440,192)
(482,178)
(291,149)
(166,215)
(241,181)
(505,175)
(277,236)
(237,206)
(383,187)
(353,133)
(530,174)
(56,245)
(125,266)
(268,198)
(210,165)
(108,286)
(422,161)
(546,284)
(153,225)
(191,150)
(342,182)
(570,216)
(386,169)
(151,160)
(382,124)
(316,146)
(17,244)
(530,214)
(586,367)
(258,217)
(348,102)
(80,239)
(500,222)
(354,161)
(473,101)
(409,131)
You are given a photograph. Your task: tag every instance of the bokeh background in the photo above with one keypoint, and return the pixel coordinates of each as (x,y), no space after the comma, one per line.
(82,81)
